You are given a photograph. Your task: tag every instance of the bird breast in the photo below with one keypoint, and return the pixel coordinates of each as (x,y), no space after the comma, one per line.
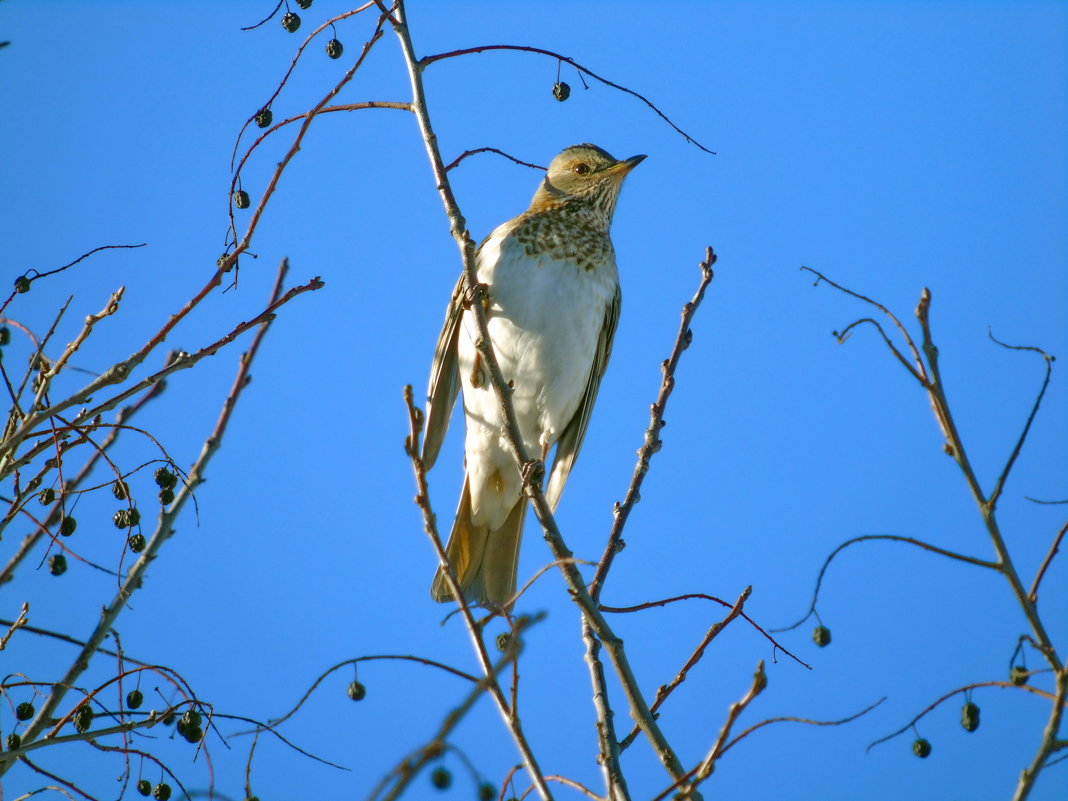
(545,314)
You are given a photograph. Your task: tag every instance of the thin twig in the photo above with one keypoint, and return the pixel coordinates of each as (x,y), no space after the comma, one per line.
(793,719)
(652,443)
(698,652)
(574,580)
(1005,685)
(971,560)
(916,368)
(456,162)
(1000,483)
(426,61)
(164,529)
(1033,594)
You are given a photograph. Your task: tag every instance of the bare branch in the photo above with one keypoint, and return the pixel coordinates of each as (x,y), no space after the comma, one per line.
(1000,484)
(971,560)
(806,721)
(667,689)
(918,372)
(1033,594)
(652,442)
(456,162)
(426,61)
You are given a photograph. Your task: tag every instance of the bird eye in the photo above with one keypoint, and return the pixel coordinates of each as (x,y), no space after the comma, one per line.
(582,168)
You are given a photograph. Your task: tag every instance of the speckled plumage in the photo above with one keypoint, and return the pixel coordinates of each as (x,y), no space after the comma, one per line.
(553,303)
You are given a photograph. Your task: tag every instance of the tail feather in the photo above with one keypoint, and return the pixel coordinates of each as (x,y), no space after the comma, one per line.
(484,560)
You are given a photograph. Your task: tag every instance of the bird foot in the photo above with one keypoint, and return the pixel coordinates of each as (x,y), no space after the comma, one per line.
(479,292)
(533,474)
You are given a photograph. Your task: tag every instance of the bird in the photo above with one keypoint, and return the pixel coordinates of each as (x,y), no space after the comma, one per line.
(552,302)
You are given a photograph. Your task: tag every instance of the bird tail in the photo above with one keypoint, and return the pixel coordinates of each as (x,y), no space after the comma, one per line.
(484,560)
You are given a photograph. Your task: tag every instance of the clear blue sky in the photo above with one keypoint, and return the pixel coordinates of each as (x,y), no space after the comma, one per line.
(891,145)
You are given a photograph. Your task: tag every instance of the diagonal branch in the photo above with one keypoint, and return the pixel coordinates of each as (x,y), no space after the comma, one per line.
(164,529)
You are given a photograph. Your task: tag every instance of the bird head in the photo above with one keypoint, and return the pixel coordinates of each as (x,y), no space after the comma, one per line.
(585,175)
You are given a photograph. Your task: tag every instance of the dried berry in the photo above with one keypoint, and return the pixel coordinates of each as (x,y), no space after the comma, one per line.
(137,543)
(821,636)
(191,718)
(13,741)
(334,48)
(356,691)
(166,496)
(67,526)
(193,734)
(305,4)
(161,792)
(24,711)
(1018,675)
(441,778)
(5,335)
(22,284)
(290,21)
(264,118)
(486,792)
(921,748)
(165,479)
(83,718)
(47,496)
(502,641)
(561,91)
(120,490)
(241,199)
(134,699)
(121,518)
(969,716)
(57,564)
(144,787)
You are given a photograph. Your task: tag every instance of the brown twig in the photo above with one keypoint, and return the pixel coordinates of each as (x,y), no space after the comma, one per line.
(652,442)
(37,274)
(1005,685)
(1000,483)
(666,690)
(426,61)
(456,162)
(372,658)
(31,540)
(574,580)
(492,686)
(292,65)
(16,624)
(776,645)
(164,529)
(1033,594)
(708,764)
(794,719)
(971,560)
(409,767)
(916,368)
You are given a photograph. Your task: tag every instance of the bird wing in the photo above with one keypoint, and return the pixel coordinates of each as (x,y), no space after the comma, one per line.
(567,447)
(444,378)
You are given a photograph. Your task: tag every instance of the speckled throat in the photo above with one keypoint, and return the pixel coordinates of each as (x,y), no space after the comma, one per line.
(576,228)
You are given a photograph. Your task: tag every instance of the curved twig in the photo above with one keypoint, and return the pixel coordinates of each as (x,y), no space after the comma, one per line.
(1005,685)
(456,162)
(996,493)
(893,538)
(919,372)
(426,61)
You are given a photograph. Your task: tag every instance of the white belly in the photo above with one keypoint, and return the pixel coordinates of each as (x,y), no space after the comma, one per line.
(545,318)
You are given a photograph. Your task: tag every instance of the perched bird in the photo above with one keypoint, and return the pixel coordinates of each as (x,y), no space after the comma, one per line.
(552,306)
